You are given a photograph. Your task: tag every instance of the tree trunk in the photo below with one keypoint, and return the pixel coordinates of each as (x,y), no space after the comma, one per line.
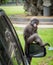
(0,2)
(16,2)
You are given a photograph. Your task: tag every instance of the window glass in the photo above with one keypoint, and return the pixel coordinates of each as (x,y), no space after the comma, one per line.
(10,43)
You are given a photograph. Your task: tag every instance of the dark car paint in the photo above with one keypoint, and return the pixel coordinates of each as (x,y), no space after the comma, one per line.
(17,41)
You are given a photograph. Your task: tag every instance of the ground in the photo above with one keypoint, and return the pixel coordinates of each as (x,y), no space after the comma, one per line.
(46,34)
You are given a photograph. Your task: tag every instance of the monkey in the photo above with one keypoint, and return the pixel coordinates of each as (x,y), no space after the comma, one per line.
(30,34)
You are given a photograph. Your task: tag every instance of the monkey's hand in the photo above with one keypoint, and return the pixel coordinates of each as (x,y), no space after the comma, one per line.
(46,44)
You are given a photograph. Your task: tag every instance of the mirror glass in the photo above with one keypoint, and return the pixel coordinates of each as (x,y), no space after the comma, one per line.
(35,50)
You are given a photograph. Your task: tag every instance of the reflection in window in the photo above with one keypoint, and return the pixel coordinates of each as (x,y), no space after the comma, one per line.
(10,43)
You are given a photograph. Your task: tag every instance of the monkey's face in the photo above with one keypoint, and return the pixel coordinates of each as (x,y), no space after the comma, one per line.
(35,25)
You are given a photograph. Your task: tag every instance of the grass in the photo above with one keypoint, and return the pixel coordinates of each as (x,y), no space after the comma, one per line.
(47,36)
(11,10)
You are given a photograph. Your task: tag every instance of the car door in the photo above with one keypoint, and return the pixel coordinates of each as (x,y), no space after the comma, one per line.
(11,52)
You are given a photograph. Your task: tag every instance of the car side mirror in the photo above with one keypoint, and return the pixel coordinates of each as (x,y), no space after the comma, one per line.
(35,50)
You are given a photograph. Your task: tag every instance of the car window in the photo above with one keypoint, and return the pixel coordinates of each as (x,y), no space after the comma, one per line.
(9,42)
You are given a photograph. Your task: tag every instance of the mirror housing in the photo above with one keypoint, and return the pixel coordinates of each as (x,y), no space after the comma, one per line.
(35,50)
